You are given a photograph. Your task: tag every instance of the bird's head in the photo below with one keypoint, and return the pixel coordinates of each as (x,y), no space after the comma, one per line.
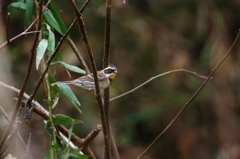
(111,72)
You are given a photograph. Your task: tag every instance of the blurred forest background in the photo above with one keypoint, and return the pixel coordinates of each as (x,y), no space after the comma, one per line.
(148,38)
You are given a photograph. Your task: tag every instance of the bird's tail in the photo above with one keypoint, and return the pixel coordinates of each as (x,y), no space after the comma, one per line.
(65,82)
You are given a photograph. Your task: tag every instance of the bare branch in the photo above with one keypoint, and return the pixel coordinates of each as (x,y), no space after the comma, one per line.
(50,60)
(44,114)
(17,107)
(84,6)
(91,136)
(107,40)
(25,32)
(49,63)
(94,70)
(88,152)
(19,136)
(191,99)
(79,56)
(8,26)
(106,61)
(154,77)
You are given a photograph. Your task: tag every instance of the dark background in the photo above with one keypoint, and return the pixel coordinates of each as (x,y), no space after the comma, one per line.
(148,38)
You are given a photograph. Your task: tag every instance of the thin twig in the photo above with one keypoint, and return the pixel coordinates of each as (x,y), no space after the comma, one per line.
(50,60)
(5,114)
(49,63)
(94,71)
(107,40)
(106,61)
(84,6)
(25,81)
(79,56)
(88,139)
(87,151)
(19,136)
(91,136)
(41,111)
(73,46)
(11,137)
(112,147)
(191,99)
(25,32)
(8,26)
(31,32)
(154,77)
(27,153)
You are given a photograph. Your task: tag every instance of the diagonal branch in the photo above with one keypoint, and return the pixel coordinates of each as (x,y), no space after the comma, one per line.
(51,58)
(49,63)
(73,46)
(26,31)
(154,77)
(25,81)
(41,111)
(19,135)
(191,99)
(78,55)
(94,70)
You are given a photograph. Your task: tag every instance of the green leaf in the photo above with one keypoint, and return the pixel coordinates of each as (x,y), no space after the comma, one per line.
(51,20)
(71,67)
(65,155)
(68,92)
(50,154)
(55,14)
(51,41)
(63,119)
(29,11)
(54,95)
(76,154)
(47,128)
(42,46)
(73,154)
(73,121)
(70,131)
(18,5)
(54,147)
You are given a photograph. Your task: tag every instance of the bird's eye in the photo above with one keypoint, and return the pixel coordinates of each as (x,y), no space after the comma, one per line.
(108,71)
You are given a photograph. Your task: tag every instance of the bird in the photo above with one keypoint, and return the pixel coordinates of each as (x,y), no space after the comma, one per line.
(105,78)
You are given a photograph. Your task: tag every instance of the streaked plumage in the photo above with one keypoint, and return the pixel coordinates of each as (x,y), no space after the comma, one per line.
(105,78)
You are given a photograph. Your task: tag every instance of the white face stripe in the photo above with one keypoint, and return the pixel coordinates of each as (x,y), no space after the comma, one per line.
(110,70)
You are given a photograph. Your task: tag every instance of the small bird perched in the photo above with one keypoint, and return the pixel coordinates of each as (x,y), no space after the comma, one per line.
(105,78)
